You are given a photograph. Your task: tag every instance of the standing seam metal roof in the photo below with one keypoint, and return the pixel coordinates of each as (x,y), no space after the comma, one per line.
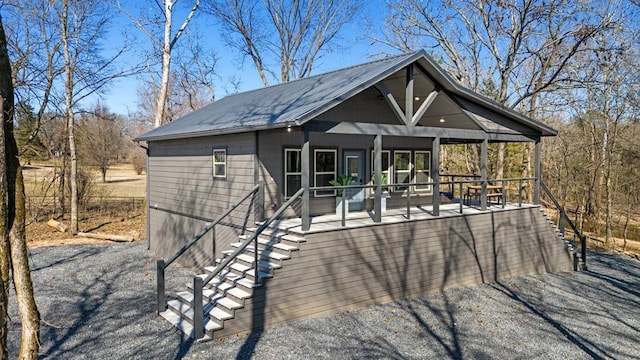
(296,102)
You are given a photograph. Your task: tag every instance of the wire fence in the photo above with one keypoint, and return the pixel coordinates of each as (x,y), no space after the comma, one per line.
(42,208)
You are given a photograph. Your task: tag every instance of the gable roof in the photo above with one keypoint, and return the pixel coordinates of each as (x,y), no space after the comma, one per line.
(296,102)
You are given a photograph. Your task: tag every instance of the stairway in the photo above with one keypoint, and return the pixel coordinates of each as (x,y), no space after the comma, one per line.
(568,242)
(232,288)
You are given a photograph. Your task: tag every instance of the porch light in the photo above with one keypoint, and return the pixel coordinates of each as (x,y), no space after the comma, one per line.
(417,98)
(288,128)
(442,120)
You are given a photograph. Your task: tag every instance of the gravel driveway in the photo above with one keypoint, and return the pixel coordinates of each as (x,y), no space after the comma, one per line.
(97,302)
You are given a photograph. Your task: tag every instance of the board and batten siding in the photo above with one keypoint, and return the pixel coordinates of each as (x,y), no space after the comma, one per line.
(181,181)
(354,268)
(271,171)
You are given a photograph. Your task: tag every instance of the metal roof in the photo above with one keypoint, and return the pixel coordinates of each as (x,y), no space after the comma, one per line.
(295,102)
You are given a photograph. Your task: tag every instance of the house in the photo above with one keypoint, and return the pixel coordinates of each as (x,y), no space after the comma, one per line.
(216,174)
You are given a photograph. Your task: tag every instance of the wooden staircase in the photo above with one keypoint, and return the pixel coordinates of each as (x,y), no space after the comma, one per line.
(232,288)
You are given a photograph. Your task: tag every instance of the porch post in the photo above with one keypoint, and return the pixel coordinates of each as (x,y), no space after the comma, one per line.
(306,219)
(377,165)
(435,175)
(483,174)
(536,185)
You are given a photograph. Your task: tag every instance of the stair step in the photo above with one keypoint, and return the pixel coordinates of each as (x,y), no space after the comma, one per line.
(277,235)
(215,299)
(250,259)
(246,270)
(182,324)
(268,244)
(225,288)
(271,254)
(185,314)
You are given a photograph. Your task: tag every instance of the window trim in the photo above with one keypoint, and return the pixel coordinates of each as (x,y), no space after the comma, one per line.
(424,188)
(323,193)
(402,186)
(286,173)
(214,163)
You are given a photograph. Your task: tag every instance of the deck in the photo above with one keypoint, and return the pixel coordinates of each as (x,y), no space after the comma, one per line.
(360,219)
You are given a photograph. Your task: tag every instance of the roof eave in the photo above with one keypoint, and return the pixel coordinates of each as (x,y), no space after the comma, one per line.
(226,131)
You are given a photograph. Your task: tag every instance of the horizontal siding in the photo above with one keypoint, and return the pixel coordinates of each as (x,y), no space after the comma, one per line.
(181,180)
(348,269)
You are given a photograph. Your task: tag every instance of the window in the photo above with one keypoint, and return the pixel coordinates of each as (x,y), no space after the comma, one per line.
(292,171)
(220,163)
(324,169)
(386,165)
(423,169)
(402,168)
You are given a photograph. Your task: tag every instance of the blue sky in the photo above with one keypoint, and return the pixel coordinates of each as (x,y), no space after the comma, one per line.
(121,96)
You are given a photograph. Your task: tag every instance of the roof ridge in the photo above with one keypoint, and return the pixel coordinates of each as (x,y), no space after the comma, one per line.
(326,73)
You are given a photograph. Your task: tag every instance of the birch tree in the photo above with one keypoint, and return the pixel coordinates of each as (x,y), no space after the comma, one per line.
(13,245)
(164,44)
(283,38)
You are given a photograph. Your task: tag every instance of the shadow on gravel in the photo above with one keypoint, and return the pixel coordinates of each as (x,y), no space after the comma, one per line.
(82,254)
(585,345)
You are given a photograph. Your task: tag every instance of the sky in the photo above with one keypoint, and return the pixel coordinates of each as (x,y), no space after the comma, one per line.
(121,97)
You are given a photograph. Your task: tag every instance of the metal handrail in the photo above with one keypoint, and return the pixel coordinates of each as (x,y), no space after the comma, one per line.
(562,217)
(161,264)
(198,282)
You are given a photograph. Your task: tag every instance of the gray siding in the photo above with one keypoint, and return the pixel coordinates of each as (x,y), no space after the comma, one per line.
(271,153)
(349,269)
(181,180)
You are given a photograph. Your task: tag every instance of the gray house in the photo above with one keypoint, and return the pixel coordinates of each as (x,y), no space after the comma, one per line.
(242,188)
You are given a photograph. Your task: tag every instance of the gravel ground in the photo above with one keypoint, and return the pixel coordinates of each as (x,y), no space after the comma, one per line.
(97,302)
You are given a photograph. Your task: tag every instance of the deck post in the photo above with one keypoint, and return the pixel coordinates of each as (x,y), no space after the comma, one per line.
(435,175)
(160,292)
(536,186)
(306,220)
(483,174)
(198,311)
(377,165)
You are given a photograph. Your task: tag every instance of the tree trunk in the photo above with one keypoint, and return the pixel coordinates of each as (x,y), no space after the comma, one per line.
(12,224)
(5,249)
(166,64)
(29,315)
(68,84)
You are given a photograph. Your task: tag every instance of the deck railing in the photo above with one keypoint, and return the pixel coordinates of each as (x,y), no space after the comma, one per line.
(162,265)
(562,218)
(408,190)
(199,283)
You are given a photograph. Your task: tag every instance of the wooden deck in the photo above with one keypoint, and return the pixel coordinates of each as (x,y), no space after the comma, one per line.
(359,219)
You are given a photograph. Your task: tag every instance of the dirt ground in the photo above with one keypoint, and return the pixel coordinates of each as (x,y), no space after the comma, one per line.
(40,234)
(121,181)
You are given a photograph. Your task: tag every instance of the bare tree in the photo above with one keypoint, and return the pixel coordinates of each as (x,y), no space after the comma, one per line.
(100,132)
(191,81)
(13,245)
(514,52)
(165,44)
(290,35)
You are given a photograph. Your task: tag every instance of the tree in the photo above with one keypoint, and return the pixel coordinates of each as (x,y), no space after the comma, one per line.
(101,138)
(165,45)
(191,81)
(514,52)
(290,34)
(13,245)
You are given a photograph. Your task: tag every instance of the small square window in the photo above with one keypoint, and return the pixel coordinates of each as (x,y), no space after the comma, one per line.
(220,163)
